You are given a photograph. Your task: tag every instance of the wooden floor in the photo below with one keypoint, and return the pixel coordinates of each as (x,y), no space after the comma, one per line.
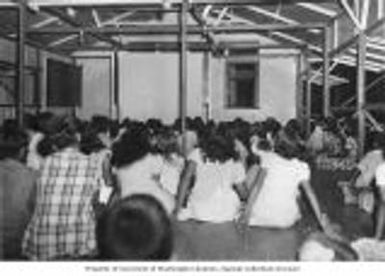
(198,241)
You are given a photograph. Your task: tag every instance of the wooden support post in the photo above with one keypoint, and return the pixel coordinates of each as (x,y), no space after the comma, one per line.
(183,72)
(308,94)
(116,84)
(20,58)
(299,89)
(206,86)
(326,65)
(361,54)
(380,9)
(335,33)
(38,83)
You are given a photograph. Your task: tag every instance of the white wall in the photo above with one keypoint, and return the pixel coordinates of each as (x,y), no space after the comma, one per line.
(277,86)
(96,86)
(149,86)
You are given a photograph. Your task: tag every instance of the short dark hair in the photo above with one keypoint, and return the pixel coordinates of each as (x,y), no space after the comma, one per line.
(217,147)
(61,133)
(287,150)
(132,146)
(100,124)
(12,143)
(135,228)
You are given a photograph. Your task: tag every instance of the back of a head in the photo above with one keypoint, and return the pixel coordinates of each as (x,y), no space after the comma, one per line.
(219,148)
(135,228)
(286,149)
(12,143)
(30,122)
(132,146)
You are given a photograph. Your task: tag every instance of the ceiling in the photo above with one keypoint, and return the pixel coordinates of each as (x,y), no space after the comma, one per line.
(66,26)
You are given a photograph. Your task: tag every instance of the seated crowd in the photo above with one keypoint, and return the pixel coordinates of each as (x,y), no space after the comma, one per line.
(100,189)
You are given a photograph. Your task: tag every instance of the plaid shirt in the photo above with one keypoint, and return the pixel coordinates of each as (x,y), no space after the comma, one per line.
(63,224)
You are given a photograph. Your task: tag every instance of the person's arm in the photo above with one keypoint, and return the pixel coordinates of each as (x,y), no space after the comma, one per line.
(355,174)
(309,192)
(243,189)
(380,223)
(107,172)
(254,193)
(321,217)
(380,216)
(185,183)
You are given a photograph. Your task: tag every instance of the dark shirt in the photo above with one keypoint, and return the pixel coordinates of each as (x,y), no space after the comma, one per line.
(17,184)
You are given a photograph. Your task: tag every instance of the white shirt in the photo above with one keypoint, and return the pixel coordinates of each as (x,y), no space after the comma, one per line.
(380,175)
(368,166)
(170,173)
(276,205)
(144,177)
(212,197)
(315,142)
(34,159)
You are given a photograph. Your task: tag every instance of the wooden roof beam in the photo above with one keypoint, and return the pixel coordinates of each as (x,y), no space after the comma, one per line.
(67,19)
(349,43)
(351,14)
(172,29)
(201,22)
(318,9)
(147,46)
(95,3)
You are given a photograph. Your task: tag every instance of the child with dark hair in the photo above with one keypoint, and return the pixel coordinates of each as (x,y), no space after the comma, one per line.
(135,228)
(139,166)
(97,135)
(291,133)
(216,168)
(271,127)
(332,139)
(63,223)
(17,193)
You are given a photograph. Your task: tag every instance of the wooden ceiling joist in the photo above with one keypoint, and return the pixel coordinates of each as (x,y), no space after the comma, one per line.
(73,22)
(95,3)
(148,46)
(172,29)
(318,9)
(349,43)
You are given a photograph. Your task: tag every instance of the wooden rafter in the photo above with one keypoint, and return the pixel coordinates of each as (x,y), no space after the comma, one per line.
(319,9)
(114,20)
(353,40)
(45,22)
(73,22)
(63,40)
(351,14)
(172,29)
(365,13)
(61,3)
